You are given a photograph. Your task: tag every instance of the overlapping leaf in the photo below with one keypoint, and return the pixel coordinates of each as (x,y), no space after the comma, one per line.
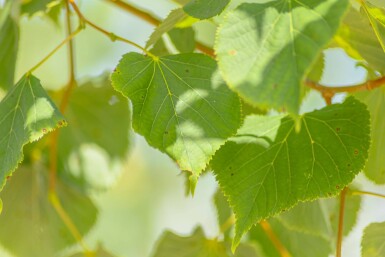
(9,41)
(204,9)
(377,21)
(197,245)
(265,50)
(375,167)
(268,167)
(97,115)
(180,105)
(373,241)
(30,226)
(33,6)
(358,39)
(26,114)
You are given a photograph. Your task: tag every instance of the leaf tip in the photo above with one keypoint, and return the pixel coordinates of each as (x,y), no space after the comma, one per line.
(193,183)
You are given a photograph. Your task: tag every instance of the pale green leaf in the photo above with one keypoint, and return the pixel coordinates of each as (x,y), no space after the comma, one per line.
(168,24)
(100,116)
(100,252)
(34,6)
(298,244)
(377,20)
(30,226)
(375,167)
(265,50)
(197,245)
(26,114)
(269,167)
(180,105)
(9,41)
(373,240)
(1,206)
(224,212)
(204,9)
(358,39)
(183,39)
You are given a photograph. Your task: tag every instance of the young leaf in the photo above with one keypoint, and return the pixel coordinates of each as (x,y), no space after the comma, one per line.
(204,9)
(269,167)
(359,41)
(377,20)
(375,167)
(168,24)
(26,114)
(30,226)
(183,39)
(373,240)
(180,105)
(171,245)
(265,50)
(98,115)
(9,42)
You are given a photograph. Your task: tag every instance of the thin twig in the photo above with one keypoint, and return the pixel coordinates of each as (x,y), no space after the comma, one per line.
(111,35)
(274,239)
(341,222)
(358,192)
(155,21)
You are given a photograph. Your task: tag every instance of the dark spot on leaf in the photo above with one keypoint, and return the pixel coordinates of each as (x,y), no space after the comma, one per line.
(329,194)
(60,123)
(349,164)
(232,174)
(187,70)
(44,130)
(337,187)
(338,130)
(8,178)
(166,132)
(355,151)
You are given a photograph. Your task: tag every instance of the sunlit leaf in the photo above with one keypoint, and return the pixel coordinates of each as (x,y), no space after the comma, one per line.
(101,252)
(180,105)
(9,41)
(204,9)
(30,226)
(377,20)
(375,166)
(373,241)
(26,114)
(265,50)
(256,168)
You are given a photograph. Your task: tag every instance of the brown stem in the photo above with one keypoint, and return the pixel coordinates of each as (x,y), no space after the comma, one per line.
(341,222)
(153,20)
(274,239)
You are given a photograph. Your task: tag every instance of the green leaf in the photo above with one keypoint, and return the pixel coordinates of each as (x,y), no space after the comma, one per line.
(224,212)
(1,206)
(320,217)
(9,42)
(298,244)
(100,116)
(373,240)
(180,105)
(265,50)
(377,20)
(197,245)
(183,39)
(34,6)
(101,252)
(204,9)
(159,48)
(269,167)
(358,39)
(27,113)
(375,167)
(174,17)
(30,226)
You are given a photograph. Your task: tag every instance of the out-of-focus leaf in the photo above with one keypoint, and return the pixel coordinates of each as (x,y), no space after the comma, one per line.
(9,42)
(31,7)
(183,39)
(375,166)
(101,252)
(197,245)
(373,240)
(30,226)
(159,48)
(357,38)
(298,244)
(377,20)
(224,212)
(26,114)
(97,115)
(204,9)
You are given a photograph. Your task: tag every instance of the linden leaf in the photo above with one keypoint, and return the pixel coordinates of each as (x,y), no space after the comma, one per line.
(26,114)
(265,50)
(269,167)
(180,105)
